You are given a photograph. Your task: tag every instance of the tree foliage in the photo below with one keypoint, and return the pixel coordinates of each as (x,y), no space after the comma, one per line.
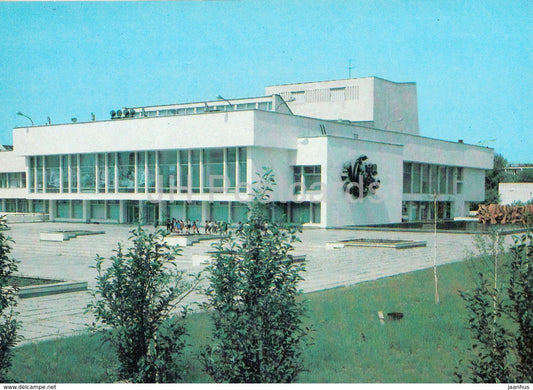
(500,307)
(133,306)
(254,300)
(522,176)
(493,178)
(8,321)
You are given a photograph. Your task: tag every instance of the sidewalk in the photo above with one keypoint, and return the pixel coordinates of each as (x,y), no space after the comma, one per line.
(61,315)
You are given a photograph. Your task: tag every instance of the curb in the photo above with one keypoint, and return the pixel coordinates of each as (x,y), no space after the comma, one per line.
(51,289)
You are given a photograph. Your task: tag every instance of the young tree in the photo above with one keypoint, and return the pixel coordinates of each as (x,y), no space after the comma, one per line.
(520,307)
(254,301)
(8,321)
(500,307)
(133,306)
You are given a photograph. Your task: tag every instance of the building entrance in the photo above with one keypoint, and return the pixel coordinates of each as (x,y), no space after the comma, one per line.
(132,212)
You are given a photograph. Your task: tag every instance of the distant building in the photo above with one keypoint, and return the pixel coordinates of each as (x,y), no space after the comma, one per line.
(513,169)
(515,192)
(344,152)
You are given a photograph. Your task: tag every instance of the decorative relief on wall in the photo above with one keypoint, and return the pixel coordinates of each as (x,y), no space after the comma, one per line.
(359,177)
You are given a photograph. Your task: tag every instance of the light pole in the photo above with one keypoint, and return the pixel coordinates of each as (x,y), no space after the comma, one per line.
(26,116)
(223,98)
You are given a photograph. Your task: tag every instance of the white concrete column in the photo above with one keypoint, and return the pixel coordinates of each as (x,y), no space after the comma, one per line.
(163,212)
(52,211)
(141,213)
(86,211)
(121,211)
(206,215)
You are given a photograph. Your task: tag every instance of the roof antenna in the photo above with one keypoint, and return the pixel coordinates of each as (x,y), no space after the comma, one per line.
(350,67)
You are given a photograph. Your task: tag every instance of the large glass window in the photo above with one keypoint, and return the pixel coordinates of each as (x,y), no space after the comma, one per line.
(39,174)
(434,179)
(297,188)
(62,209)
(11,205)
(300,212)
(141,171)
(442,180)
(52,173)
(126,172)
(242,169)
(31,177)
(194,211)
(220,211)
(425,179)
(77,209)
(307,178)
(113,209)
(416,178)
(450,180)
(231,169)
(407,177)
(239,212)
(150,171)
(176,210)
(98,209)
(64,172)
(101,172)
(167,171)
(184,170)
(40,206)
(111,172)
(87,172)
(312,178)
(213,164)
(74,173)
(316,212)
(195,170)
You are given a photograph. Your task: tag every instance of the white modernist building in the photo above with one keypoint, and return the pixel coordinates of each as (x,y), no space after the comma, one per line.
(344,152)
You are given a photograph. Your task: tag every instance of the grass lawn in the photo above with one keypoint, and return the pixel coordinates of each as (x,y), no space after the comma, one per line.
(349,343)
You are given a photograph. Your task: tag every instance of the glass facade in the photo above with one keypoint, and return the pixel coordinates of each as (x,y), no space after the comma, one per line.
(414,211)
(429,179)
(195,171)
(13,180)
(305,212)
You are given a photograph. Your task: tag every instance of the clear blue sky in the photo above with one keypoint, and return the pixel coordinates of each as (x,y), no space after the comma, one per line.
(472,60)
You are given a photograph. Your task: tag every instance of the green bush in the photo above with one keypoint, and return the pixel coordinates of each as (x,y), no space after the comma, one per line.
(133,303)
(500,308)
(254,301)
(8,321)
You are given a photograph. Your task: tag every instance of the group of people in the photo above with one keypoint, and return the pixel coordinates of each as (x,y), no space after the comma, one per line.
(192,227)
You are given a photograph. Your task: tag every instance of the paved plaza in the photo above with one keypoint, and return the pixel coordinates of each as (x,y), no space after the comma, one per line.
(63,314)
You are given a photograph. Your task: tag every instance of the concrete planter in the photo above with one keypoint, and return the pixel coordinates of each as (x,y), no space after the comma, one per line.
(51,289)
